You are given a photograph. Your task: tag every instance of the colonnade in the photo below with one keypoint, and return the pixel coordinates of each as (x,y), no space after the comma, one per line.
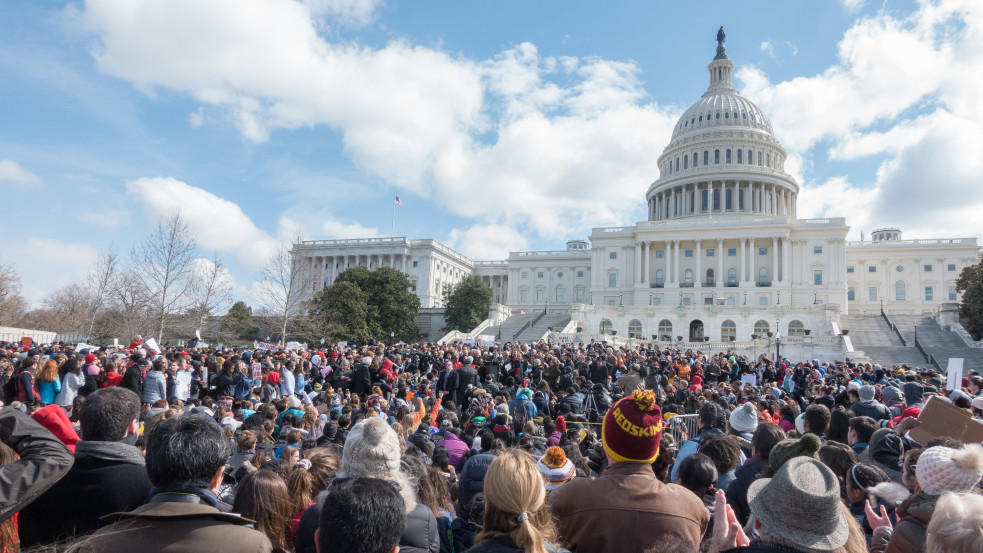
(673,272)
(694,198)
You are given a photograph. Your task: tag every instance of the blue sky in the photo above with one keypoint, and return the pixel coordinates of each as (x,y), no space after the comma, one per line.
(501,125)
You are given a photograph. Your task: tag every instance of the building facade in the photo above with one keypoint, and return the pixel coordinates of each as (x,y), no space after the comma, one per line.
(722,256)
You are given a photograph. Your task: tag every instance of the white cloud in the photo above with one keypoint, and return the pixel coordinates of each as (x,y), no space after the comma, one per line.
(566,143)
(852,6)
(768,48)
(18,177)
(109,218)
(216,223)
(197,118)
(350,12)
(46,265)
(793,48)
(487,241)
(332,228)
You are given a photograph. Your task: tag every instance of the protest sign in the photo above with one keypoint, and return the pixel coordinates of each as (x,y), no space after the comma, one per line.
(182,385)
(941,418)
(26,341)
(264,346)
(342,344)
(486,340)
(82,347)
(467,341)
(257,370)
(749,379)
(152,345)
(297,346)
(955,373)
(115,342)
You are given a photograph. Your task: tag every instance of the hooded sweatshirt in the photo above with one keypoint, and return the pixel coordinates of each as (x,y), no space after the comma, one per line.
(55,420)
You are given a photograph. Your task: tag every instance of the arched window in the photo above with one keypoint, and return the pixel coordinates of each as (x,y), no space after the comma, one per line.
(899,290)
(560,293)
(716,154)
(761,328)
(740,156)
(750,157)
(732,275)
(728,155)
(606,327)
(635,329)
(706,157)
(759,158)
(796,328)
(685,162)
(718,115)
(728,331)
(665,330)
(677,164)
(658,277)
(688,278)
(763,274)
(768,159)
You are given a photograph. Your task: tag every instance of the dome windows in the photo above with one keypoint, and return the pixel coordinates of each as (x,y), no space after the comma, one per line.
(740,156)
(718,115)
(728,155)
(727,115)
(701,119)
(743,115)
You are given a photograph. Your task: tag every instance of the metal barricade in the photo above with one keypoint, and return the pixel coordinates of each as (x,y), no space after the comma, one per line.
(683,427)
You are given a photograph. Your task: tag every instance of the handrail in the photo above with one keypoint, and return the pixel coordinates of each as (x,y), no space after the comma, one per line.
(521,330)
(929,358)
(538,317)
(894,327)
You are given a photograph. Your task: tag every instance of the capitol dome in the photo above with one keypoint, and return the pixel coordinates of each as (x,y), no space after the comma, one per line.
(723,158)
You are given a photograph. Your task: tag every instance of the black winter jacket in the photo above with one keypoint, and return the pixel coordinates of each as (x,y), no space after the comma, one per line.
(505,545)
(43,461)
(470,483)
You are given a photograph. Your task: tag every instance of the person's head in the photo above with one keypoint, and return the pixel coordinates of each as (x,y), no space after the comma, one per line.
(908,467)
(840,458)
(817,419)
(713,415)
(860,478)
(725,452)
(800,507)
(262,496)
(943,469)
(765,438)
(956,525)
(789,448)
(361,515)
(514,503)
(187,452)
(861,430)
(632,429)
(109,415)
(372,450)
(698,474)
(247,440)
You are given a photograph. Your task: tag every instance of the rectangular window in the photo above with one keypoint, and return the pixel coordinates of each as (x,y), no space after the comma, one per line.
(660,254)
(580,274)
(872,269)
(539,275)
(851,294)
(732,252)
(687,300)
(872,293)
(657,300)
(539,294)
(952,293)
(689,253)
(763,300)
(817,249)
(560,296)
(415,263)
(523,296)
(849,269)
(707,301)
(710,253)
(580,294)
(928,268)
(951,267)
(612,280)
(612,301)
(762,251)
(525,275)
(928,293)
(613,255)
(817,277)
(732,301)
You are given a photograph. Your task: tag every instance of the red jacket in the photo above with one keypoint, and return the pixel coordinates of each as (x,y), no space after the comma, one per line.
(53,418)
(113,378)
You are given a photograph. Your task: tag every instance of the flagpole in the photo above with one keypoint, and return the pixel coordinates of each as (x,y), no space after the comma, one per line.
(394,220)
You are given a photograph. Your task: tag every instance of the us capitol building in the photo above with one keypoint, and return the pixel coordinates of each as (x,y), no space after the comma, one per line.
(721,257)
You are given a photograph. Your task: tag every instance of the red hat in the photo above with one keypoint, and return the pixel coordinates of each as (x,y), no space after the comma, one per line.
(89,358)
(909,412)
(561,424)
(632,428)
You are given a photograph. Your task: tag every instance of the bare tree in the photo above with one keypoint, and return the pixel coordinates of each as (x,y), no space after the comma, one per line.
(285,285)
(210,290)
(164,265)
(126,313)
(70,309)
(12,304)
(101,279)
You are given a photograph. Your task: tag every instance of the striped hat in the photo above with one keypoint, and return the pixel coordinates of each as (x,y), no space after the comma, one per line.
(556,468)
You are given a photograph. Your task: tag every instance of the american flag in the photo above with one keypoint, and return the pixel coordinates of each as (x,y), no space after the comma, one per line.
(398,201)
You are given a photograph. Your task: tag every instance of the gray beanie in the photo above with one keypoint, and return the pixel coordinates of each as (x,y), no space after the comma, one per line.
(744,418)
(867,392)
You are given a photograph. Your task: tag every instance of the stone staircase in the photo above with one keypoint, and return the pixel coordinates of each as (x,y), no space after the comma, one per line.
(871,335)
(532,333)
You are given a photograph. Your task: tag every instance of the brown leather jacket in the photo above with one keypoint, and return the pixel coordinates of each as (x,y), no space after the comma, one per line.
(626,509)
(908,536)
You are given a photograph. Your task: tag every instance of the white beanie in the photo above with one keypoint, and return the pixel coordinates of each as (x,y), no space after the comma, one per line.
(943,469)
(371,450)
(744,418)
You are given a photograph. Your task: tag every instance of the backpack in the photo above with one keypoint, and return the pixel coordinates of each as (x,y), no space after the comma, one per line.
(242,390)
(9,389)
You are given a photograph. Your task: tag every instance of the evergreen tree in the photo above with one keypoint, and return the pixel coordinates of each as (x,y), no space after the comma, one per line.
(970,284)
(239,321)
(467,304)
(390,307)
(340,313)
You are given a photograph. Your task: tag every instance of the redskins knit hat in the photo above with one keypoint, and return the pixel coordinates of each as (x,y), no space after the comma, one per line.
(632,428)
(556,468)
(943,469)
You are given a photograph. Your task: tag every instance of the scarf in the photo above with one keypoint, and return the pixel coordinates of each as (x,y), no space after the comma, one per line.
(109,451)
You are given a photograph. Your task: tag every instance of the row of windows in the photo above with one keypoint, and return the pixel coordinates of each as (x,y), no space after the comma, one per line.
(560,294)
(763,159)
(900,293)
(728,329)
(716,116)
(951,267)
(540,274)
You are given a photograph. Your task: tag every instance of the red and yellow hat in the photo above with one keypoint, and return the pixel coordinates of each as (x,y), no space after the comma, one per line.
(632,428)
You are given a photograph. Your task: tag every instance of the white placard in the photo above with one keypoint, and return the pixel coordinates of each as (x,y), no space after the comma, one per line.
(751,379)
(486,340)
(116,342)
(198,334)
(342,344)
(182,385)
(151,344)
(257,371)
(955,373)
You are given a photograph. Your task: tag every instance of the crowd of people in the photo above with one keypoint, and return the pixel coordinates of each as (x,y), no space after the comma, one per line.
(515,447)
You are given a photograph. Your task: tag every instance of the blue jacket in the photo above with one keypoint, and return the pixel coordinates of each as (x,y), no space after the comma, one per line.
(154,387)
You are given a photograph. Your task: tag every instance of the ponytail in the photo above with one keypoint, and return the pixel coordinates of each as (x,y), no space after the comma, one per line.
(527,536)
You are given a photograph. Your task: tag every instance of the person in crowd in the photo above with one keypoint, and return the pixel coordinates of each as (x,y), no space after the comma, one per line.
(868,406)
(698,474)
(49,384)
(557,470)
(631,432)
(155,382)
(263,497)
(185,460)
(108,476)
(725,452)
(361,515)
(72,382)
(861,431)
(27,391)
(956,525)
(840,459)
(517,518)
(711,422)
(816,420)
(743,422)
(43,460)
(766,436)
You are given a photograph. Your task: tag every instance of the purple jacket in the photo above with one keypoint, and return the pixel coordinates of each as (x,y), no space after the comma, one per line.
(554,438)
(456,449)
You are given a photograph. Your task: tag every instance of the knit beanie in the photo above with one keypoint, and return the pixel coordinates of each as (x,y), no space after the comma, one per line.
(744,418)
(561,424)
(806,446)
(371,450)
(556,468)
(632,428)
(943,469)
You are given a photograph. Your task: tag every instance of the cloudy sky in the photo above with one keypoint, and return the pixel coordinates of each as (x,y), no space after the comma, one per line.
(502,126)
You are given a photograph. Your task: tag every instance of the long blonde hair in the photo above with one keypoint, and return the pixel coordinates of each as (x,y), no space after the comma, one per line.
(515,497)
